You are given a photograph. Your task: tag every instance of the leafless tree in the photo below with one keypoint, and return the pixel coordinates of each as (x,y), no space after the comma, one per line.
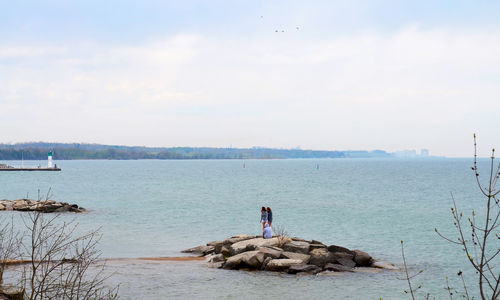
(482,248)
(478,236)
(9,245)
(63,264)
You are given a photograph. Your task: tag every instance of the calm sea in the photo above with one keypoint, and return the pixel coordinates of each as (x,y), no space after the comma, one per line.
(149,208)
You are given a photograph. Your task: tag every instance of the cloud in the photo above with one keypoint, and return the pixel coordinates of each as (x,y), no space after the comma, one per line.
(412,88)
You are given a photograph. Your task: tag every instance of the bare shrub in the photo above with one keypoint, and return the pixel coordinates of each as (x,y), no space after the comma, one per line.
(282,235)
(477,236)
(62,265)
(9,245)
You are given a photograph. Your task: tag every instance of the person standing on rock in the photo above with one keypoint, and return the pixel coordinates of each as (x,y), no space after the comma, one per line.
(269,216)
(263,217)
(268,232)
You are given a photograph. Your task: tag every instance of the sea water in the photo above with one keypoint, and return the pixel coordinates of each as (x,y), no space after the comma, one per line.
(151,208)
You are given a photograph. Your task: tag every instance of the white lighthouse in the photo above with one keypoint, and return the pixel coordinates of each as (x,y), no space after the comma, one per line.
(49,160)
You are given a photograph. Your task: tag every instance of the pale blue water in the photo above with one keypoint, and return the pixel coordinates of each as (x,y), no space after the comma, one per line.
(150,208)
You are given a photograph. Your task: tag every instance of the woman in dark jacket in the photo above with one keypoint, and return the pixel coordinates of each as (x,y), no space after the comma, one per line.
(269,216)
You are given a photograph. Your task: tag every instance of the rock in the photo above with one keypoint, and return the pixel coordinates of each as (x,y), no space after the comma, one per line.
(253,259)
(214,243)
(11,292)
(254,243)
(236,261)
(2,207)
(238,238)
(272,252)
(266,261)
(282,264)
(208,250)
(316,246)
(362,258)
(346,262)
(225,251)
(296,239)
(40,206)
(311,269)
(203,250)
(317,242)
(383,265)
(344,255)
(258,259)
(320,257)
(297,247)
(334,248)
(291,255)
(337,268)
(215,258)
(217,246)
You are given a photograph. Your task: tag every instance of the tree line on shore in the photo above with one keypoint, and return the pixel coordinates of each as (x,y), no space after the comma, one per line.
(62,151)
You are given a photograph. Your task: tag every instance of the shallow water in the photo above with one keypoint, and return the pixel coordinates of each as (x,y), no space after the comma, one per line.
(150,208)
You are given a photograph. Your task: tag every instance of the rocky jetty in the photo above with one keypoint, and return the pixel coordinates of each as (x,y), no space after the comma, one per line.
(284,254)
(49,206)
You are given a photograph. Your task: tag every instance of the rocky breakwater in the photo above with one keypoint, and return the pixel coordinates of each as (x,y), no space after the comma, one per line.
(49,206)
(284,254)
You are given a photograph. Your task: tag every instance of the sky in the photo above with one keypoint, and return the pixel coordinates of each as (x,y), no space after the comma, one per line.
(324,75)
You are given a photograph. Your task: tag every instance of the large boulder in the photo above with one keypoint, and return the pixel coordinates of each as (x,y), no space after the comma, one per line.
(236,261)
(215,258)
(262,254)
(362,258)
(311,269)
(297,247)
(217,246)
(237,238)
(202,250)
(254,243)
(252,259)
(292,255)
(273,252)
(334,248)
(282,264)
(264,264)
(347,262)
(316,246)
(11,292)
(320,257)
(225,251)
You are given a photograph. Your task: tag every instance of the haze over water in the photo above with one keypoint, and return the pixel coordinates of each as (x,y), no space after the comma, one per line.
(151,208)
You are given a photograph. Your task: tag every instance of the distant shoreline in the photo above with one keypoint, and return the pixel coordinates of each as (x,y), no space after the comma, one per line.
(38,151)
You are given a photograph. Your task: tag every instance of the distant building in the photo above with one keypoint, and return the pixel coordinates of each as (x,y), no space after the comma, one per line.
(424,152)
(406,153)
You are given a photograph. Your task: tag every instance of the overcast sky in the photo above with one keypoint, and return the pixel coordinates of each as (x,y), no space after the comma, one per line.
(338,75)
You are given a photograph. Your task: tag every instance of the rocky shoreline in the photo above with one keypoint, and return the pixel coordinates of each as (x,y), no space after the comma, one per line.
(49,206)
(284,254)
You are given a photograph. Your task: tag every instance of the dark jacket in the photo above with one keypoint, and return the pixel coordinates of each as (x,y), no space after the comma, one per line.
(270,216)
